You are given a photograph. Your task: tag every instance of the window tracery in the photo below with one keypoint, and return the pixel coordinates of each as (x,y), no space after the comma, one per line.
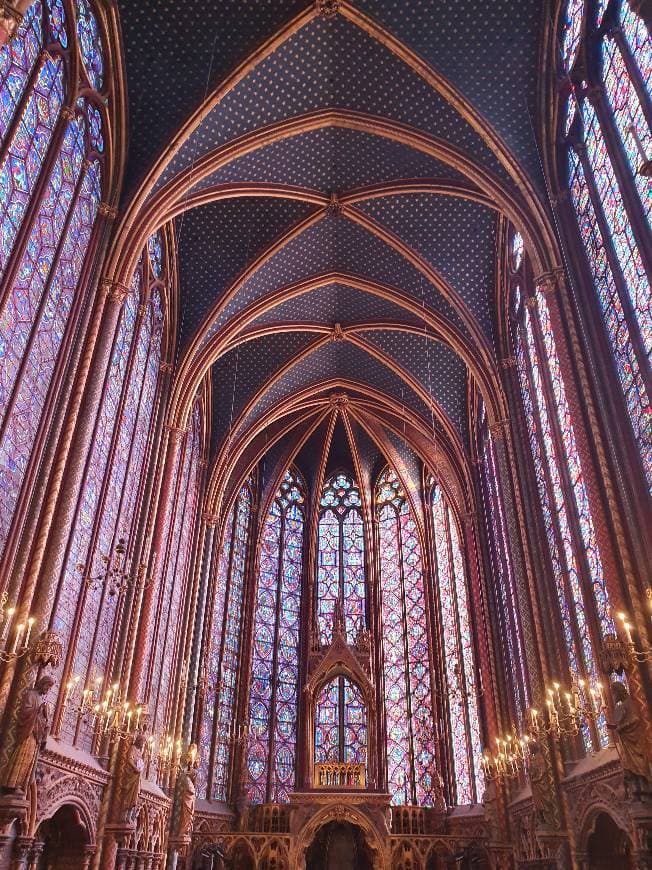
(461,688)
(273,694)
(51,178)
(608,119)
(405,649)
(341,573)
(224,648)
(340,723)
(110,500)
(572,542)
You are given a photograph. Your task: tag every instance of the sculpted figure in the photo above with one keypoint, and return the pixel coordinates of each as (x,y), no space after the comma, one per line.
(186,797)
(31,734)
(631,739)
(544,805)
(128,787)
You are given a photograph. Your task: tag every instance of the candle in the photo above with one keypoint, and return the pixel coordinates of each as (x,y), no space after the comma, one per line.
(30,623)
(7,622)
(19,631)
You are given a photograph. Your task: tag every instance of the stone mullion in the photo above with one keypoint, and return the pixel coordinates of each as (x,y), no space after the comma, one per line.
(303,753)
(125,643)
(377,646)
(44,567)
(437,682)
(489,495)
(210,785)
(205,545)
(406,651)
(570,499)
(48,410)
(634,329)
(238,772)
(597,97)
(272,704)
(180,697)
(171,449)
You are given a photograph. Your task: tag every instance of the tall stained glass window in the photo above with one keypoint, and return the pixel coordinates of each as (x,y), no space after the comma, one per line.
(405,649)
(110,501)
(502,574)
(608,120)
(273,694)
(461,689)
(51,169)
(224,648)
(576,562)
(341,574)
(340,723)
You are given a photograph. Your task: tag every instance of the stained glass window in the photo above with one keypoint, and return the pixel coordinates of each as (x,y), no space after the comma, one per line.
(111,493)
(50,177)
(341,575)
(340,723)
(273,694)
(607,119)
(502,574)
(572,541)
(461,690)
(405,649)
(223,661)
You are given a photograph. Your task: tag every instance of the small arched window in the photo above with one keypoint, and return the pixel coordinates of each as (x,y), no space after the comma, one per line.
(341,570)
(340,723)
(607,120)
(52,156)
(273,695)
(405,649)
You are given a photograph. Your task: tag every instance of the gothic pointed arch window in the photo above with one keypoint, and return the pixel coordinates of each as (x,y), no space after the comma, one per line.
(53,115)
(579,582)
(607,118)
(340,723)
(341,570)
(273,694)
(224,647)
(405,648)
(459,669)
(86,611)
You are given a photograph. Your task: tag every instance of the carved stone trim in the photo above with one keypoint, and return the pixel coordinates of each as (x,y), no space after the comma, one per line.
(107,211)
(508,363)
(334,206)
(10,18)
(327,8)
(338,333)
(115,291)
(498,429)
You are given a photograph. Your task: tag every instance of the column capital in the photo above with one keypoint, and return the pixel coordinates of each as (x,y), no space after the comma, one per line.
(508,362)
(498,429)
(166,368)
(210,519)
(175,433)
(10,20)
(546,282)
(115,291)
(468,518)
(107,211)
(327,8)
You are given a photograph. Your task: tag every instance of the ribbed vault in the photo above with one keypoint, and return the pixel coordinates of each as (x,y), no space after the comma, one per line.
(339,192)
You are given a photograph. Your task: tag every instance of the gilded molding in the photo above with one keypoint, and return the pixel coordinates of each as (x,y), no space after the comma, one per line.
(327,8)
(107,211)
(10,18)
(115,291)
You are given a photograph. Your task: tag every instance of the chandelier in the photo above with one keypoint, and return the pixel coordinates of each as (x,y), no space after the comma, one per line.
(117,574)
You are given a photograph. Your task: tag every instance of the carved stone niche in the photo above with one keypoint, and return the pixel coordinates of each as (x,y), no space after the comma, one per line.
(339,659)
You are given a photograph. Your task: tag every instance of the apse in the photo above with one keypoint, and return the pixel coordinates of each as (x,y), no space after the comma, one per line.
(325,455)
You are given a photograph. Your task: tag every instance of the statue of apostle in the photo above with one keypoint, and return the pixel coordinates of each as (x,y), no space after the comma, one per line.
(128,786)
(32,727)
(186,797)
(631,740)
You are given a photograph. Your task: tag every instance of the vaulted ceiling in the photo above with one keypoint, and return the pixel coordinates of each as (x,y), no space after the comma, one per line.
(339,175)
